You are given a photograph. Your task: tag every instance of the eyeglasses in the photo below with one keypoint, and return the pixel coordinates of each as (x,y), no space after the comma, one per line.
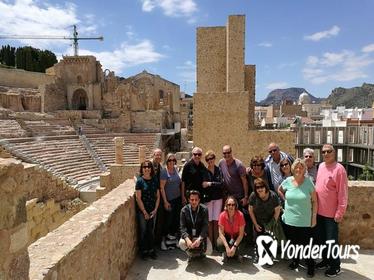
(226,153)
(147,166)
(283,165)
(273,151)
(170,160)
(211,158)
(326,152)
(230,204)
(197,154)
(307,156)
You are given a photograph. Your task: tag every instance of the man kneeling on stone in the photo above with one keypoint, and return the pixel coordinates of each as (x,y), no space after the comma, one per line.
(194,227)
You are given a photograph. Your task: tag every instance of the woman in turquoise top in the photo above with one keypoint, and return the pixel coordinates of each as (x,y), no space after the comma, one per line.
(300,213)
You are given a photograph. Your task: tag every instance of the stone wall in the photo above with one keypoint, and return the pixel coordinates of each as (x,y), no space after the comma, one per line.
(43,217)
(357,226)
(225,114)
(147,121)
(249,85)
(211,59)
(213,128)
(23,79)
(20,102)
(103,247)
(117,174)
(235,53)
(54,96)
(43,185)
(14,259)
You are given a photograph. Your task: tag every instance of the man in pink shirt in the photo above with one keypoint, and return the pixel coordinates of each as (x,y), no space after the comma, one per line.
(332,194)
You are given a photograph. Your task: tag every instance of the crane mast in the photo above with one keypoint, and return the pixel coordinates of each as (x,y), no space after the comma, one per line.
(74,38)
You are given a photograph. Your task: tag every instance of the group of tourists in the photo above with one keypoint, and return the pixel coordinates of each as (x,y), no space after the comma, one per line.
(222,207)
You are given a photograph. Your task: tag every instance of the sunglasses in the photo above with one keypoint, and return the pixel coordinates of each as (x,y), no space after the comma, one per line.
(308,156)
(226,153)
(283,165)
(147,166)
(197,154)
(326,152)
(257,164)
(273,151)
(211,158)
(230,204)
(170,160)
(260,187)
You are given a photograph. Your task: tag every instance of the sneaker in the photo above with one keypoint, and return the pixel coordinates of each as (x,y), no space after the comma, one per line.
(293,265)
(171,242)
(163,246)
(331,272)
(321,265)
(224,258)
(153,255)
(171,237)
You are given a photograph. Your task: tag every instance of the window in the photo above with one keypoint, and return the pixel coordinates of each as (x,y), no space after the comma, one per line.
(306,137)
(351,155)
(161,97)
(340,136)
(317,155)
(329,137)
(340,155)
(317,137)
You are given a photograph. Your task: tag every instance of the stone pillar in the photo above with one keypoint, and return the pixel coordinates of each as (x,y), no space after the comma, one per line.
(141,154)
(119,149)
(235,45)
(14,258)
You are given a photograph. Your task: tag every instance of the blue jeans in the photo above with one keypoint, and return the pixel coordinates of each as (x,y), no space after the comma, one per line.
(146,232)
(328,229)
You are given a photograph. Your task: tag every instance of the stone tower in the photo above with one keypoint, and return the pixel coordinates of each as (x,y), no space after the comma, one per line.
(225,99)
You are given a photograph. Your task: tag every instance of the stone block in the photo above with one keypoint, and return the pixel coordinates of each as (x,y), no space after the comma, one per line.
(19,238)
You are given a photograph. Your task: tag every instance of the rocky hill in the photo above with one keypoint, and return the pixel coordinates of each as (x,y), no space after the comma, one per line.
(276,96)
(361,97)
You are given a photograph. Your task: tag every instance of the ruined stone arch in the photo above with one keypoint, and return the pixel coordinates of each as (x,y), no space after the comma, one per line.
(79,100)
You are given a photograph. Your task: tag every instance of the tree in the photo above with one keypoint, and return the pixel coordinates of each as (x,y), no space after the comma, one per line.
(28,58)
(366,174)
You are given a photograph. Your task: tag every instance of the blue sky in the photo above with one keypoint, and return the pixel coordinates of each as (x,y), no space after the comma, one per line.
(318,45)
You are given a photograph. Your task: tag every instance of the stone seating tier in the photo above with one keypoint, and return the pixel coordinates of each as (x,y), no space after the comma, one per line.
(50,127)
(66,156)
(104,146)
(10,129)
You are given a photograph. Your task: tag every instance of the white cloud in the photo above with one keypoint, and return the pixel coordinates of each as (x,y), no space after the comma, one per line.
(265,44)
(276,85)
(127,55)
(187,71)
(368,48)
(172,8)
(333,31)
(29,17)
(339,67)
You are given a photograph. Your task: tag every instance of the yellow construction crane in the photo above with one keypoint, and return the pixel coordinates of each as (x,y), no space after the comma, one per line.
(74,38)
